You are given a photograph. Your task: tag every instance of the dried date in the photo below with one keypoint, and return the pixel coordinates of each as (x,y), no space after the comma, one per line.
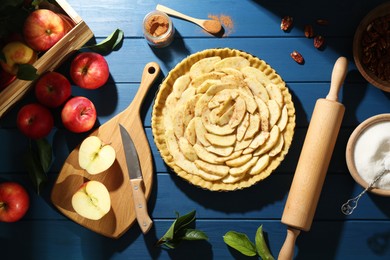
(322,22)
(297,57)
(319,41)
(309,32)
(286,23)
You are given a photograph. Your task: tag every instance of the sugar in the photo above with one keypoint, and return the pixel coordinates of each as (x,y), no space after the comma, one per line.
(387,163)
(372,154)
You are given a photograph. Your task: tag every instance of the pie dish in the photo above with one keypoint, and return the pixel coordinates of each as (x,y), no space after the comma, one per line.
(223,119)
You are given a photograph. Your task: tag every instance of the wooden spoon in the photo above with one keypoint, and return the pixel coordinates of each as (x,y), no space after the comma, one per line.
(211,26)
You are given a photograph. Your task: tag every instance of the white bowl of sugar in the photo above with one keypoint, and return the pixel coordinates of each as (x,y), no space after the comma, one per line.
(368,154)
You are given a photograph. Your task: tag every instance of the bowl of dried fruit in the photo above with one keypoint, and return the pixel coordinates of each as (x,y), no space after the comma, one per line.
(371,47)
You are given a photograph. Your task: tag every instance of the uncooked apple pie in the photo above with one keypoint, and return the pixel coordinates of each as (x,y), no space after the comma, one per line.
(223,119)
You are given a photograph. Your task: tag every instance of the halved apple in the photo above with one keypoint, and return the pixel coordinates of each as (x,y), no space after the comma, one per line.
(95,156)
(92,200)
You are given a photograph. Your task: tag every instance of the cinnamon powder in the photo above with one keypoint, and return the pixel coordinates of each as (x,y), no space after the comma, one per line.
(157,25)
(226,21)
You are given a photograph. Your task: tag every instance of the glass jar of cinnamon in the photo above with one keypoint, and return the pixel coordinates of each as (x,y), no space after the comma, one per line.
(158,29)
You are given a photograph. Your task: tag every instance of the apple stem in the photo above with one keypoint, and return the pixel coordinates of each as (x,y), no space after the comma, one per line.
(85,111)
(2,205)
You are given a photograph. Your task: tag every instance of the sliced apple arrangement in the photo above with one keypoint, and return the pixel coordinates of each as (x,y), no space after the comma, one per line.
(223,119)
(92,200)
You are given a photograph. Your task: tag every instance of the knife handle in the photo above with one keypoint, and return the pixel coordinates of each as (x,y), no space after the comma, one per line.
(140,205)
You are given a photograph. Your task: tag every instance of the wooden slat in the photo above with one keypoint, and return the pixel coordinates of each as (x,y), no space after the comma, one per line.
(327,240)
(264,200)
(261,18)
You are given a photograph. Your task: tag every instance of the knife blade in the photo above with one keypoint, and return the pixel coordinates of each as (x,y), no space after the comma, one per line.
(136,180)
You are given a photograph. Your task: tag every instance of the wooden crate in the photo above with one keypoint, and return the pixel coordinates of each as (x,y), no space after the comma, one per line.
(51,59)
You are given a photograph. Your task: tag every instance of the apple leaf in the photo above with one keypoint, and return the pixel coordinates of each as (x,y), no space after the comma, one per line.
(37,175)
(111,43)
(178,232)
(240,242)
(38,160)
(44,153)
(27,72)
(261,245)
(193,234)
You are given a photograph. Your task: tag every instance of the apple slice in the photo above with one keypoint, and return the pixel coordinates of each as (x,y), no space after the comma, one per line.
(92,200)
(94,156)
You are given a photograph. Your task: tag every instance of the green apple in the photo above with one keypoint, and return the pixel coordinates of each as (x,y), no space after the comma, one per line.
(92,200)
(95,156)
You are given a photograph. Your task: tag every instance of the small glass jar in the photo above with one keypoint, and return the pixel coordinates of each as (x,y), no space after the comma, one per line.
(158,29)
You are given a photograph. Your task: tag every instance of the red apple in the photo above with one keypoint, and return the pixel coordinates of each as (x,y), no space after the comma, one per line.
(34,120)
(52,89)
(89,70)
(78,114)
(42,29)
(14,201)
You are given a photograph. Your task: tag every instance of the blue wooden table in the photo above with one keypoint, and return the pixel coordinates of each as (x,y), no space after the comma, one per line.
(44,233)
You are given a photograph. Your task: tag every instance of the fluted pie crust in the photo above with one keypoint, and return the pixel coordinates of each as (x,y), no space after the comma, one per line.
(223,119)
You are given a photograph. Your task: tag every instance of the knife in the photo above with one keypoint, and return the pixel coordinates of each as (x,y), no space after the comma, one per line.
(136,180)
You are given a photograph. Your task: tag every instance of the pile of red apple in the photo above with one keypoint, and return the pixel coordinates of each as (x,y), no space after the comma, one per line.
(42,29)
(88,70)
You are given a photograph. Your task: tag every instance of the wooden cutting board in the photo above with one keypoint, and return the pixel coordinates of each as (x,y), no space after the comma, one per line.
(122,215)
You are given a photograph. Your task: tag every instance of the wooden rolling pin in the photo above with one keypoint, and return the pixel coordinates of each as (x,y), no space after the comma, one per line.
(313,162)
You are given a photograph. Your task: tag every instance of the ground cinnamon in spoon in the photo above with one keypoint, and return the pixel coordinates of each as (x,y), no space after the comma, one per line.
(226,21)
(157,25)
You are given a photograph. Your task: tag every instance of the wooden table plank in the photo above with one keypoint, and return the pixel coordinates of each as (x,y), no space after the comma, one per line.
(70,241)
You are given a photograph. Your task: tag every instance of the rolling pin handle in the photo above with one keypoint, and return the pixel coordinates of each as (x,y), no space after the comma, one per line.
(287,251)
(338,76)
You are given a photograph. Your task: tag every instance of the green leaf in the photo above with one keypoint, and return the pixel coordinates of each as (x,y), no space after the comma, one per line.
(38,159)
(193,234)
(240,242)
(261,245)
(178,231)
(37,175)
(184,221)
(172,244)
(111,43)
(178,224)
(170,233)
(44,153)
(27,72)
